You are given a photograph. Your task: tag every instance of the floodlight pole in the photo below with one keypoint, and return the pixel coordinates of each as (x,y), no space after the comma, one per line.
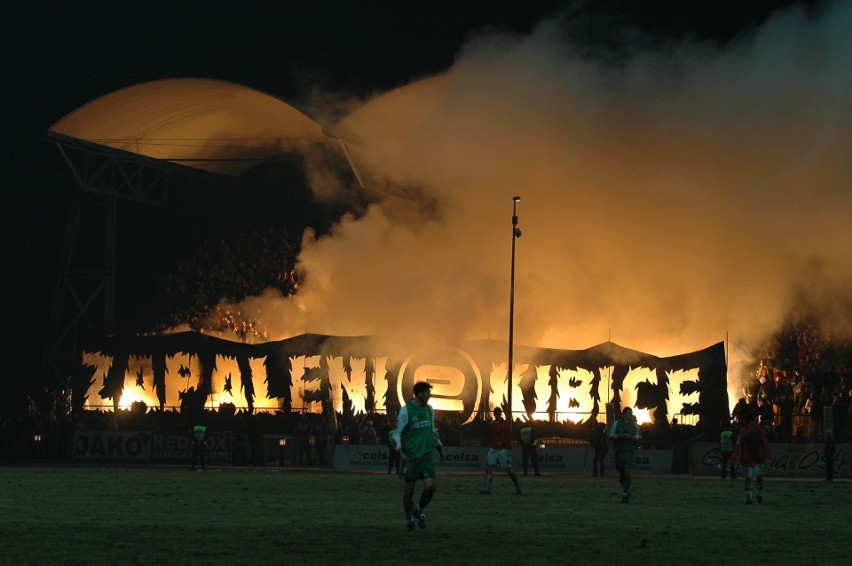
(516,233)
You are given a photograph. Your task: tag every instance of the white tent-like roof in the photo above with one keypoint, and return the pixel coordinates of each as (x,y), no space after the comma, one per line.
(213,125)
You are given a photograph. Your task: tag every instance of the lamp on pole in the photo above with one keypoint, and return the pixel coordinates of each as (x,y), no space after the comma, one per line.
(516,233)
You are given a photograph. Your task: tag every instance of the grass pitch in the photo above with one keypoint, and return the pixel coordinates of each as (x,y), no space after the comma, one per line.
(100,515)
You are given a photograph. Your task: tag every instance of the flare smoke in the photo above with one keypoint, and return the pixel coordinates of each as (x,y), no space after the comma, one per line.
(669,201)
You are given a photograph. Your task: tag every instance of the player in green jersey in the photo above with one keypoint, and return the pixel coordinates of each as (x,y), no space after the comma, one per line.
(625,438)
(415,438)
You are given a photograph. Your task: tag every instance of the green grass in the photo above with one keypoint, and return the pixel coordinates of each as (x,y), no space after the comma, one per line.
(99,515)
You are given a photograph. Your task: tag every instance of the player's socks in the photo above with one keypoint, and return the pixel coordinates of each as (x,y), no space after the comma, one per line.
(425,498)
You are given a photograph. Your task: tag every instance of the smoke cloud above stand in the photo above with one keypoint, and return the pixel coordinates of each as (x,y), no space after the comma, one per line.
(669,199)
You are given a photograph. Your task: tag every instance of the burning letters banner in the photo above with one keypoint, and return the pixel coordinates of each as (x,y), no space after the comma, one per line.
(361,374)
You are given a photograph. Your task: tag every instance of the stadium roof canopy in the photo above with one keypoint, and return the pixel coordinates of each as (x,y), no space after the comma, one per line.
(206,124)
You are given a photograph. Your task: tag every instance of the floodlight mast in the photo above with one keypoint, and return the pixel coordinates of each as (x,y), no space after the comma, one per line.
(516,233)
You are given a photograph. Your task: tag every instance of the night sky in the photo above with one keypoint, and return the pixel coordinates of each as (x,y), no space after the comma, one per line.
(60,55)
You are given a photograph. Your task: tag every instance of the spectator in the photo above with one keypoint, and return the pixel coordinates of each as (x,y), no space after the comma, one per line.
(199,446)
(600,445)
(726,448)
(740,412)
(303,441)
(368,433)
(828,455)
(320,432)
(393,453)
(528,449)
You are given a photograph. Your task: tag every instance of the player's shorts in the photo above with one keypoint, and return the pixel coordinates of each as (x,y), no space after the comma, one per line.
(754,471)
(624,460)
(499,458)
(418,468)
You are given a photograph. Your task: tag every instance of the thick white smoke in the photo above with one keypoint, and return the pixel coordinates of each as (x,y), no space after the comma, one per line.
(666,203)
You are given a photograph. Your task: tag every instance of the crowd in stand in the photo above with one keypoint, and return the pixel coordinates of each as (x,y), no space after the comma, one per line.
(250,264)
(801,387)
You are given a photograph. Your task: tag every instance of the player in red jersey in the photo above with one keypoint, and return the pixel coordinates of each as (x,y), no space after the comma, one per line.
(752,450)
(500,442)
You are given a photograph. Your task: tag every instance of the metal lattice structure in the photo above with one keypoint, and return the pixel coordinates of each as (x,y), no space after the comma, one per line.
(84,297)
(177,144)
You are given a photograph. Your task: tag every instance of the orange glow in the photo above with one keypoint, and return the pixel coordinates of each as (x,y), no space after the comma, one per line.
(447,384)
(643,416)
(355,382)
(500,387)
(182,373)
(575,401)
(676,398)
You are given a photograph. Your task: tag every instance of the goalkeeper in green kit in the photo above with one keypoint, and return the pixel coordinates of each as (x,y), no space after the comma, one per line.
(415,438)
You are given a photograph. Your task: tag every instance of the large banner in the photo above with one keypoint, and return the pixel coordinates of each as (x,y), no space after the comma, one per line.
(362,374)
